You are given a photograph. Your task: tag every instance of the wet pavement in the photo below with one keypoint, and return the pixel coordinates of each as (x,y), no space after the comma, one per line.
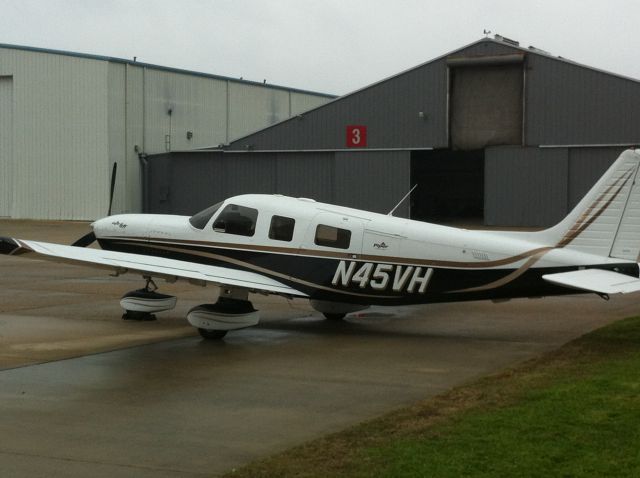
(84,393)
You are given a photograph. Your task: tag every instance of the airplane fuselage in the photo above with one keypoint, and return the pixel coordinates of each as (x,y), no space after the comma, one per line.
(346,255)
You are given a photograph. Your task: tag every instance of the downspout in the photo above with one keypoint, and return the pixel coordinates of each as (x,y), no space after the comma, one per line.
(144,168)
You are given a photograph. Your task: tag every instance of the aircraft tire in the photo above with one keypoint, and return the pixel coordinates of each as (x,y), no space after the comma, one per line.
(334,316)
(212,334)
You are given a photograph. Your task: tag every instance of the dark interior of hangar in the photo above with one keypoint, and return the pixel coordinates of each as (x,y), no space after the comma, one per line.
(450,185)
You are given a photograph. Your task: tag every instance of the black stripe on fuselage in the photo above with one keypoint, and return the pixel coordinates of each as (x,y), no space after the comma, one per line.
(314,275)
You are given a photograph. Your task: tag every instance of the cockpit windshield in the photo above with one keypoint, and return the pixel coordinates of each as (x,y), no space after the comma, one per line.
(201,219)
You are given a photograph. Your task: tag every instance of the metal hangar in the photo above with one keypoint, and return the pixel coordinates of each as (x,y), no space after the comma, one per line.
(491,133)
(66,117)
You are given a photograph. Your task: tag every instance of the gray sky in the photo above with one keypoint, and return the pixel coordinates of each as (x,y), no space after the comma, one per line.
(332,46)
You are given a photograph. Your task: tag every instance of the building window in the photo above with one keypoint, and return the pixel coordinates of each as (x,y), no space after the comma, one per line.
(330,236)
(239,220)
(281,228)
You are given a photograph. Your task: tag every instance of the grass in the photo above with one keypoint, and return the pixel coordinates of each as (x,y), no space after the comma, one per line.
(574,412)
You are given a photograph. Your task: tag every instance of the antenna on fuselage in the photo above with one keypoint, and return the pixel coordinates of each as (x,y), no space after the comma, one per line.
(402,200)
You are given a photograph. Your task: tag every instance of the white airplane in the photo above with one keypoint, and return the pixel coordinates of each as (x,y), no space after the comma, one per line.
(344,259)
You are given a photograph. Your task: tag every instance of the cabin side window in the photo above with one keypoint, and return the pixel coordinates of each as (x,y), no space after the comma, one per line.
(239,220)
(330,236)
(281,228)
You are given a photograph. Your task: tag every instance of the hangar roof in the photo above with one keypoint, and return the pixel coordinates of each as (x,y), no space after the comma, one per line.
(158,67)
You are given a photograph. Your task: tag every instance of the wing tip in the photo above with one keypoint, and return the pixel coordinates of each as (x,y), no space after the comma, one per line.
(12,247)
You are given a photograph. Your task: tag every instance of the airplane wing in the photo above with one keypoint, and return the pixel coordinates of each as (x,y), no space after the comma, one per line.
(596,280)
(122,262)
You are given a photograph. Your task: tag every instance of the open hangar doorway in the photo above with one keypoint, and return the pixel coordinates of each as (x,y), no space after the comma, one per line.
(450,186)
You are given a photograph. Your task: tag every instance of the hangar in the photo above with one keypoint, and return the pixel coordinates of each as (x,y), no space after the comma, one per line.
(66,117)
(491,133)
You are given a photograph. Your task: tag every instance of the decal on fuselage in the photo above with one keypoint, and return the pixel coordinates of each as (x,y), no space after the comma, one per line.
(380,277)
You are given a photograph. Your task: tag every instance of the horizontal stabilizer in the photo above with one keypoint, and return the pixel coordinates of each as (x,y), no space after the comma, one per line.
(596,280)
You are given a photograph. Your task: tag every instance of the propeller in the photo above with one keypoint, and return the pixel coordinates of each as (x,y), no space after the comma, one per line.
(90,237)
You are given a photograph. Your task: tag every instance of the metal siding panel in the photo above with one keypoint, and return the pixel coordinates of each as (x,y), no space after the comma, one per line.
(60,133)
(6,146)
(568,104)
(249,174)
(525,186)
(196,181)
(159,184)
(197,104)
(389,109)
(586,165)
(301,103)
(308,175)
(134,90)
(374,181)
(117,133)
(252,108)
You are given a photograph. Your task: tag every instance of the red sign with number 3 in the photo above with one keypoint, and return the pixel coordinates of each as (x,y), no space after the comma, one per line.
(356,136)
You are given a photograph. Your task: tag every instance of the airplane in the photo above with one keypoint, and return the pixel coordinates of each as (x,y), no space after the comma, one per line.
(344,260)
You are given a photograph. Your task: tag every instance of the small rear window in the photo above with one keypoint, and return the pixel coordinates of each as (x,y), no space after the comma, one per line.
(330,236)
(281,228)
(239,220)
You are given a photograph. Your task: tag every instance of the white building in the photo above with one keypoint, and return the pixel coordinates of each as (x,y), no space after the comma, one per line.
(65,118)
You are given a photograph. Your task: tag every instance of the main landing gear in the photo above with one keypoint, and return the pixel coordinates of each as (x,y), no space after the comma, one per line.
(232,311)
(335,311)
(141,304)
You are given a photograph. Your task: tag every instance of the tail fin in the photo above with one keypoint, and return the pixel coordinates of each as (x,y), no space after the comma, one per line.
(607,220)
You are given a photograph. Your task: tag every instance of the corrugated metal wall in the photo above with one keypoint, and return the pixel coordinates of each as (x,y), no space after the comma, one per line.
(525,186)
(539,186)
(572,105)
(73,116)
(183,183)
(390,110)
(6,146)
(60,135)
(586,165)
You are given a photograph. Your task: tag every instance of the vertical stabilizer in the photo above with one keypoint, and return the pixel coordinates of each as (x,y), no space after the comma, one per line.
(607,220)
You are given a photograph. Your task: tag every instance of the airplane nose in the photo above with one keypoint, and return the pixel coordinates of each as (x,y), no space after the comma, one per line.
(122,225)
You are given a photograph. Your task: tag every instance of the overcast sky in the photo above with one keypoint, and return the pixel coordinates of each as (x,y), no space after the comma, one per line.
(332,46)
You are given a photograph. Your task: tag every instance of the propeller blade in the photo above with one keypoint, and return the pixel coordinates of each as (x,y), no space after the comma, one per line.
(85,240)
(113,186)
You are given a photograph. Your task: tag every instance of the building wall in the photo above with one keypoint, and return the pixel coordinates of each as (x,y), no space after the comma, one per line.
(60,135)
(73,116)
(572,105)
(184,183)
(390,110)
(525,186)
(537,187)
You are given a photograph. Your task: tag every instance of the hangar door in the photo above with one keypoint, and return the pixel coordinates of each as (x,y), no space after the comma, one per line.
(486,107)
(6,146)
